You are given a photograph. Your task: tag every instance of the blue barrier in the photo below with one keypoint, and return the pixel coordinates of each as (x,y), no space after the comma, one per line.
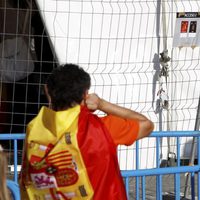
(158,172)
(14,189)
(15,138)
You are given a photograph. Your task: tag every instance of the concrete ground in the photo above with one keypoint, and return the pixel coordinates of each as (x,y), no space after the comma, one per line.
(167,188)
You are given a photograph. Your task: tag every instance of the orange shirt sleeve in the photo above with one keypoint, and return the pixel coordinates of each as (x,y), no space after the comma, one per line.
(123,131)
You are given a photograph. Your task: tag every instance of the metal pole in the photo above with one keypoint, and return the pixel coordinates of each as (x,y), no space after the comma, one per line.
(193,150)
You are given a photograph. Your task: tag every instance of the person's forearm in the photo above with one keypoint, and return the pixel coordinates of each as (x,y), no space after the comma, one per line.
(119,111)
(93,103)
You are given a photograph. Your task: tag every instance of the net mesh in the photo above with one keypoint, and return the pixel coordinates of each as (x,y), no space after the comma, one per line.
(118,43)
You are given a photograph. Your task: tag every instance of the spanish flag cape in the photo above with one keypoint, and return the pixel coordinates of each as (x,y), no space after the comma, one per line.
(69,155)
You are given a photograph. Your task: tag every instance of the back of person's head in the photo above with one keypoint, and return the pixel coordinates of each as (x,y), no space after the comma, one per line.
(67,85)
(4,194)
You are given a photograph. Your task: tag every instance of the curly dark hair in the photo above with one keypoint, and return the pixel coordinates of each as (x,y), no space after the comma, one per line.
(67,85)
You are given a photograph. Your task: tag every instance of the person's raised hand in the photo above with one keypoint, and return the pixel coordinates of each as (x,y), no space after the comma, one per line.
(92,102)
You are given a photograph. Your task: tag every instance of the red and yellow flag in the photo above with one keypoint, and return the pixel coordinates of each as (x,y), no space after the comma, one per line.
(70,156)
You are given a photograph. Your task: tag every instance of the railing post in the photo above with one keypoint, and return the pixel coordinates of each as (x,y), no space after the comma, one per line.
(137,189)
(158,177)
(193,150)
(177,175)
(15,161)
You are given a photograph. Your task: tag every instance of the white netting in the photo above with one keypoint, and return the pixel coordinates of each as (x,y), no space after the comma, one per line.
(119,44)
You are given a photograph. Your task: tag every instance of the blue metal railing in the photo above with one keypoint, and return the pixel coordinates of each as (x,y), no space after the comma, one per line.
(15,138)
(14,189)
(158,172)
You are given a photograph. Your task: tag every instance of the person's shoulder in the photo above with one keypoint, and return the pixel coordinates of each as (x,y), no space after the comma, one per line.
(88,115)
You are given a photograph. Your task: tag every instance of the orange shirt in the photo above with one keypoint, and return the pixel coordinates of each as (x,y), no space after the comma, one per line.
(123,131)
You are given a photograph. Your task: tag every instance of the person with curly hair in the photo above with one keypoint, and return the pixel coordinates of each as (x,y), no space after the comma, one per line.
(71,152)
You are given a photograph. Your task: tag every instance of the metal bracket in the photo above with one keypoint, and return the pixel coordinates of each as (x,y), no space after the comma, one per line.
(163,96)
(164,99)
(164,59)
